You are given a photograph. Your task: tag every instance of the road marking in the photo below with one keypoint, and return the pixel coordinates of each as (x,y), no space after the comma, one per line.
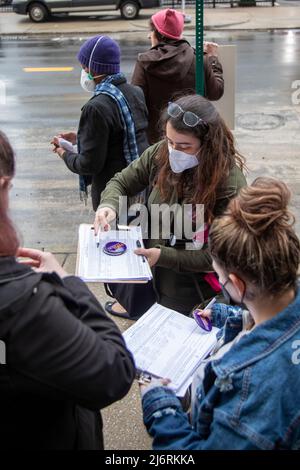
(48,69)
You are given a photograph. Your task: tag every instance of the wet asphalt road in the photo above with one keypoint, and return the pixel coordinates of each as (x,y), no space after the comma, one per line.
(44,198)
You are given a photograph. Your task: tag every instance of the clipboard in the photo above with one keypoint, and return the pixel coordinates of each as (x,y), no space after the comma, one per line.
(166,344)
(94,265)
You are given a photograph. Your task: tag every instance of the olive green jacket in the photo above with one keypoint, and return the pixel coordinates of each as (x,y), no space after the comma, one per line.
(178,274)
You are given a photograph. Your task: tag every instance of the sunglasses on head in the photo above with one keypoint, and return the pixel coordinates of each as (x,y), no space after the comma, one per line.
(189,118)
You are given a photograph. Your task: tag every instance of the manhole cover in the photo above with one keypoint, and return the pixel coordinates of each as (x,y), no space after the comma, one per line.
(260,121)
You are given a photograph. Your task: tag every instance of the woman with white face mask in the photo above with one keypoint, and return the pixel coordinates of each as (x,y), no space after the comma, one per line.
(113,123)
(196,164)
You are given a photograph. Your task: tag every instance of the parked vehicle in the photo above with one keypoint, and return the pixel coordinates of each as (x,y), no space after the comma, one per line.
(41,10)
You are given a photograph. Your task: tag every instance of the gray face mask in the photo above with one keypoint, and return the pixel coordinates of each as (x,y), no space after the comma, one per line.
(180,161)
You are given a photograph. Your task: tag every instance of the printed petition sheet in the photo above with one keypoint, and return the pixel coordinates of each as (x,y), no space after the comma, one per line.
(94,265)
(168,344)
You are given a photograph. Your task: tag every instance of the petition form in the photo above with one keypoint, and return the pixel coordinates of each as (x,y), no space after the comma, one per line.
(168,344)
(93,264)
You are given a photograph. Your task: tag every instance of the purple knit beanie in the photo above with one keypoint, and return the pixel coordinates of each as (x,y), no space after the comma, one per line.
(101,55)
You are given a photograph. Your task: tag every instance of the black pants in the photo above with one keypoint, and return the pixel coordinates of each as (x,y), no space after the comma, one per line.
(135,298)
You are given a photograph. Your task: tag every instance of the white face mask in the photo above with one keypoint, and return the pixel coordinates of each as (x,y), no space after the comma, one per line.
(87,82)
(180,161)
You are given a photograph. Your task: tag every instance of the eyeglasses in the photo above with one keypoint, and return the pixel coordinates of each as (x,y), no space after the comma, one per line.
(189,118)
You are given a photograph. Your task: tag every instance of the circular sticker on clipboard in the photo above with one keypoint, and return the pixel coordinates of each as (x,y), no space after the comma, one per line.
(114,248)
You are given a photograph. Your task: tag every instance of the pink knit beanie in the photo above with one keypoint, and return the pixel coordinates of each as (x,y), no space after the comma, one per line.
(169,23)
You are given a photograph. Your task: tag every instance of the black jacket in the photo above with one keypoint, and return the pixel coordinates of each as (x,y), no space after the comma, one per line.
(65,359)
(100,136)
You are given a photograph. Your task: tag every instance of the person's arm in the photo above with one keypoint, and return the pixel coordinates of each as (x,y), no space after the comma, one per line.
(213,75)
(64,340)
(219,314)
(181,260)
(170,427)
(94,137)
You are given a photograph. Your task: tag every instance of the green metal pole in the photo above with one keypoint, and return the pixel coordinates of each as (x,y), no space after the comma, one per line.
(199,48)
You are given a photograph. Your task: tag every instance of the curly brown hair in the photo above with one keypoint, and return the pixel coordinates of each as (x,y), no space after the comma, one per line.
(204,183)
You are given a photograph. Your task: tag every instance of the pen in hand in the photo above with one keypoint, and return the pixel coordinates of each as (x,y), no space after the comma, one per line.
(139,245)
(203,321)
(98,239)
(210,304)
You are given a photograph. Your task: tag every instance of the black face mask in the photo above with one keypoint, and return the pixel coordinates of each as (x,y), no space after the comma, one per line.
(227,297)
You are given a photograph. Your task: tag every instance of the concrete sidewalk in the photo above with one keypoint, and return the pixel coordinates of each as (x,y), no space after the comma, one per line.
(220,19)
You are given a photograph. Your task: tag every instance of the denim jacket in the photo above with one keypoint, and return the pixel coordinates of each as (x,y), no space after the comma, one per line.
(249,398)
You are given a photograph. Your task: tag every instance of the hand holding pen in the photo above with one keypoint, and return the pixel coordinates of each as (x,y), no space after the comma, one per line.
(203,317)
(103,217)
(101,223)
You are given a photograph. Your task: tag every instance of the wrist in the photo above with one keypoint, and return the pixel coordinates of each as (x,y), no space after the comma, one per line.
(62,273)
(62,154)
(109,206)
(167,257)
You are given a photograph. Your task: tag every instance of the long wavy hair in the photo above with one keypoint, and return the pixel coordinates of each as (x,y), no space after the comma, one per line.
(218,155)
(9,242)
